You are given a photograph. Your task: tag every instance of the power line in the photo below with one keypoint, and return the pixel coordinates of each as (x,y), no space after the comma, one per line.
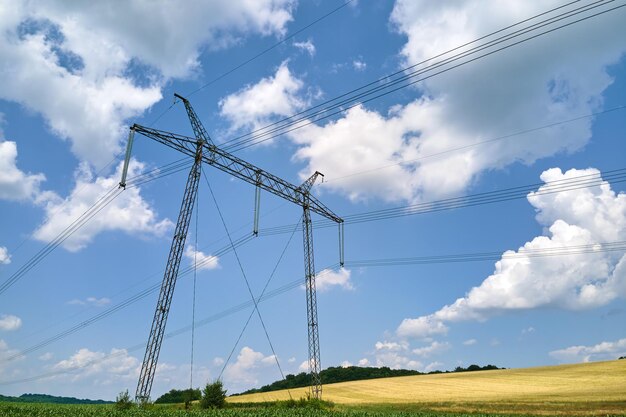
(245,326)
(497,196)
(252,58)
(582,181)
(263,52)
(309,116)
(201,323)
(471,145)
(522,253)
(245,278)
(617,246)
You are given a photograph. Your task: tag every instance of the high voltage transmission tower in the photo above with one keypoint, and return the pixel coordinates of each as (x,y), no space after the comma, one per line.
(202,149)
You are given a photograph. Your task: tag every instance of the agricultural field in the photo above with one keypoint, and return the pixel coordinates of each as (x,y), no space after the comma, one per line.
(580,389)
(55,410)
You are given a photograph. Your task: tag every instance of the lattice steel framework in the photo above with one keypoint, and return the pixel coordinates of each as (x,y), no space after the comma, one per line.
(202,149)
(151,357)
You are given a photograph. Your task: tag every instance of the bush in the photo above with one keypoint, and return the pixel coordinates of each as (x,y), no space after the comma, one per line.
(123,401)
(213,395)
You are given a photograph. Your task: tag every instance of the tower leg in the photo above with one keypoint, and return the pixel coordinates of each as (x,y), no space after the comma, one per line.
(311,305)
(151,357)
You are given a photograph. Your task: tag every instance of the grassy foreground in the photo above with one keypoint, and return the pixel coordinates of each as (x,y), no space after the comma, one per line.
(597,388)
(75,410)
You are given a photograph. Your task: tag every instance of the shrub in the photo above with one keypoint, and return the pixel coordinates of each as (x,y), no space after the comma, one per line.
(213,395)
(123,401)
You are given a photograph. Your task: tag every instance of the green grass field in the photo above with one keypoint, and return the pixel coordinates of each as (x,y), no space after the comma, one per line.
(597,388)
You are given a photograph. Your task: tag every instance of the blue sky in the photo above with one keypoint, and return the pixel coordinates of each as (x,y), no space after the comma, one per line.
(75,76)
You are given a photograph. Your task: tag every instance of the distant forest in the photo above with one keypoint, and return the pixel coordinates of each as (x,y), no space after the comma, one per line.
(352,373)
(50,399)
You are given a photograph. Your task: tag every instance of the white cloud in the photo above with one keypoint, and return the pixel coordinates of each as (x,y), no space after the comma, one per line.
(218,361)
(557,77)
(424,327)
(576,281)
(91,301)
(433,366)
(15,184)
(128,212)
(346,364)
(76,63)
(254,105)
(470,342)
(9,322)
(246,367)
(528,330)
(434,348)
(395,360)
(291,360)
(202,260)
(306,46)
(304,366)
(359,65)
(601,351)
(364,362)
(5,258)
(328,279)
(391,346)
(112,366)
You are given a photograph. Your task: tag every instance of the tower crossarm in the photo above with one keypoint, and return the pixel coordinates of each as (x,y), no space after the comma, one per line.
(241,169)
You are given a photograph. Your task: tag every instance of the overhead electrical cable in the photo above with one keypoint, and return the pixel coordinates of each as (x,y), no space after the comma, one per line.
(101,203)
(469,146)
(579,182)
(245,278)
(121,305)
(596,248)
(201,323)
(252,58)
(490,197)
(267,283)
(307,117)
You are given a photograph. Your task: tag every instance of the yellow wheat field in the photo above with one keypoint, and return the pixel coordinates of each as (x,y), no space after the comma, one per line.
(598,383)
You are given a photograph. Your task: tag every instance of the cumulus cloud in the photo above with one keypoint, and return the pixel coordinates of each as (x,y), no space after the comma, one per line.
(328,279)
(601,351)
(433,349)
(16,185)
(395,355)
(363,362)
(115,365)
(77,63)
(557,77)
(5,258)
(202,260)
(246,367)
(91,301)
(254,105)
(129,212)
(576,281)
(10,322)
(469,342)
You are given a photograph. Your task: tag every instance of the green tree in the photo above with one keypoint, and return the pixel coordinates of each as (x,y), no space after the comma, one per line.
(123,401)
(213,395)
